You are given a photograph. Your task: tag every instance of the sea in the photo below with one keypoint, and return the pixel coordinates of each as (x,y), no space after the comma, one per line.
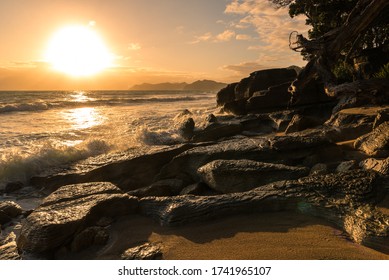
(44,130)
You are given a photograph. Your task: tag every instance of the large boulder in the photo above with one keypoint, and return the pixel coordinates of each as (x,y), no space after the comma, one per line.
(216,131)
(236,107)
(262,80)
(128,171)
(228,176)
(70,210)
(349,124)
(8,211)
(186,128)
(289,150)
(375,143)
(300,122)
(226,94)
(271,99)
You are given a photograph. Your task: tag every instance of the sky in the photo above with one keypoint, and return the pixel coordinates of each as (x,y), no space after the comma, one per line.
(151,41)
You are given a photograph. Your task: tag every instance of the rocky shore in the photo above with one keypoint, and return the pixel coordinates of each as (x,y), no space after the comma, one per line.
(319,157)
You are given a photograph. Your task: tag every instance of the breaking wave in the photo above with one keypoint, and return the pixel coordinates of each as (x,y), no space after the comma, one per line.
(18,166)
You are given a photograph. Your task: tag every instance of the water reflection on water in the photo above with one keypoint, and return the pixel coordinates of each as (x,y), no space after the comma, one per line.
(83,118)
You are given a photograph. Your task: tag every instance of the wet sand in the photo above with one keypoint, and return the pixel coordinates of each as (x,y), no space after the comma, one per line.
(274,236)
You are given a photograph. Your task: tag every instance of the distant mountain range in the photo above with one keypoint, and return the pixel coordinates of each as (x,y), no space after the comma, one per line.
(203,85)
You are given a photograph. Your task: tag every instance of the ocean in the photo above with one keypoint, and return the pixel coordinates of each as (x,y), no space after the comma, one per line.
(42,130)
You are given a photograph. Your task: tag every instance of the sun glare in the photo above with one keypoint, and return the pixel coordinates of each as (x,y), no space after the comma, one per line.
(78,51)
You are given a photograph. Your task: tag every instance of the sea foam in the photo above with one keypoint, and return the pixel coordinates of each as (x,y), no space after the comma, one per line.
(16,165)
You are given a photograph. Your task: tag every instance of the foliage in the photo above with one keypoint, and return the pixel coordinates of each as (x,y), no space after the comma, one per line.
(383,73)
(325,16)
(343,72)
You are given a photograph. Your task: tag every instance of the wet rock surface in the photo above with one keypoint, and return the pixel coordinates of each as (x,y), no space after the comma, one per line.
(8,248)
(127,172)
(8,211)
(69,210)
(227,176)
(147,251)
(375,143)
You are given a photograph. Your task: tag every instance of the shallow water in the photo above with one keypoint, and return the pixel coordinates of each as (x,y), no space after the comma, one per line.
(42,130)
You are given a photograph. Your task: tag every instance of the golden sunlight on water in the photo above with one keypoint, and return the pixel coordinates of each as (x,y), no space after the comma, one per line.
(83,118)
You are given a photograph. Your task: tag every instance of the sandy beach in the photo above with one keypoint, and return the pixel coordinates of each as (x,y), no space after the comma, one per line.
(274,236)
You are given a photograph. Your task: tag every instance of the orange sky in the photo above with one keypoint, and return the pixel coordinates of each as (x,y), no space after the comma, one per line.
(151,41)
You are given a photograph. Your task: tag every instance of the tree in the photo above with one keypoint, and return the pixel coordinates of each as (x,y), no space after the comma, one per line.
(340,30)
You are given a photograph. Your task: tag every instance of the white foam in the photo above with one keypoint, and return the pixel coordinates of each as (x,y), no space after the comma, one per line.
(19,165)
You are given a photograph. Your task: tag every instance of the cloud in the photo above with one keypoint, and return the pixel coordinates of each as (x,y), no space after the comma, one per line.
(245,68)
(202,38)
(272,25)
(243,37)
(225,36)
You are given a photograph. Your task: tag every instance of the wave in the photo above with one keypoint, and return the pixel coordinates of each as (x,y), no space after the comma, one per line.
(24,107)
(18,166)
(148,136)
(41,106)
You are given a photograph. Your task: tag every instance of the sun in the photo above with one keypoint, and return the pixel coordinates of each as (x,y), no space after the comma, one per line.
(78,51)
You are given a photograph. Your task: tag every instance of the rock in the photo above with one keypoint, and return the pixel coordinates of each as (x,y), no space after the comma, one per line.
(69,210)
(346,102)
(258,124)
(183,113)
(4,218)
(196,189)
(319,169)
(270,100)
(375,143)
(380,166)
(128,172)
(300,122)
(262,80)
(346,166)
(342,199)
(289,150)
(168,187)
(311,93)
(236,107)
(186,128)
(217,131)
(349,124)
(226,94)
(382,116)
(211,118)
(228,176)
(296,142)
(13,187)
(365,97)
(8,211)
(89,237)
(281,119)
(104,221)
(147,251)
(8,248)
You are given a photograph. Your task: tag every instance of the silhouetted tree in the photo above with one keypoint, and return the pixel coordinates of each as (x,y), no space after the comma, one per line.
(341,29)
